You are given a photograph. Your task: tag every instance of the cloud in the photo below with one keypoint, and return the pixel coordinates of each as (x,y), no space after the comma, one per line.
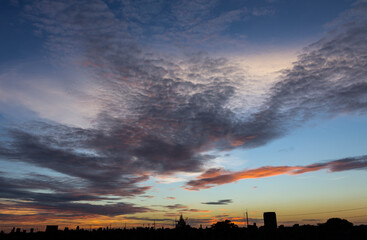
(98,176)
(162,115)
(225,177)
(170,198)
(49,195)
(153,119)
(221,216)
(176,206)
(219,202)
(47,97)
(147,196)
(183,208)
(146,219)
(311,220)
(195,210)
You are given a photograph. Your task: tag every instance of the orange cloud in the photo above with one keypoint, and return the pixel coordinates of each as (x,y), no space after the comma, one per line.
(218,176)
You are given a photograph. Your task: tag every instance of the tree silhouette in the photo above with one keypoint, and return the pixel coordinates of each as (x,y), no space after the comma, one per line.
(224,225)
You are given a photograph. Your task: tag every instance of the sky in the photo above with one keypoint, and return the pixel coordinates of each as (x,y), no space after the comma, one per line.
(126,112)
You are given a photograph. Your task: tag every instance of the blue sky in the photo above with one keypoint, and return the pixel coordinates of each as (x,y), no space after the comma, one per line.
(130,111)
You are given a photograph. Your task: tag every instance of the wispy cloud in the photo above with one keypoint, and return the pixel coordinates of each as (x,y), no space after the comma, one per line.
(147,196)
(183,208)
(219,177)
(176,206)
(48,195)
(219,202)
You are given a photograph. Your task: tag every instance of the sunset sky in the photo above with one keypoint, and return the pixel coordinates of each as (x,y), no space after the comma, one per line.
(129,112)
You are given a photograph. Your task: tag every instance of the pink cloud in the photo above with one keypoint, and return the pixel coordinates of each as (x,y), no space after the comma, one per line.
(218,176)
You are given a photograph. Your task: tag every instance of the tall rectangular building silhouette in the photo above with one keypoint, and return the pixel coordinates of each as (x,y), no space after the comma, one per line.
(270,220)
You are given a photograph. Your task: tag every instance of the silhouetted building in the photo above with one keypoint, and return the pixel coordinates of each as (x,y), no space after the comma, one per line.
(52,228)
(252,227)
(270,220)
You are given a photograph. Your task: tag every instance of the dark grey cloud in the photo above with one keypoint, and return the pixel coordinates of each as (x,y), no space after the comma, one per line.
(98,174)
(152,220)
(175,206)
(327,80)
(219,202)
(311,220)
(151,103)
(138,92)
(221,216)
(51,196)
(147,196)
(182,209)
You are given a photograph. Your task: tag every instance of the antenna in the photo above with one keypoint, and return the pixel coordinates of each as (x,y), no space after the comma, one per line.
(245,215)
(246,218)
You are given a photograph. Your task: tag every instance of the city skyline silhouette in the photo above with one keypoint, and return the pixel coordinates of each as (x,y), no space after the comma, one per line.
(333,228)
